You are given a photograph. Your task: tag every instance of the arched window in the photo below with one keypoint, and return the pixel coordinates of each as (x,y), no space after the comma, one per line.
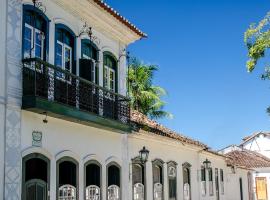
(110,72)
(186,181)
(88,62)
(88,70)
(35,33)
(113,182)
(35,183)
(172,180)
(138,183)
(64,84)
(158,179)
(67,182)
(92,180)
(64,50)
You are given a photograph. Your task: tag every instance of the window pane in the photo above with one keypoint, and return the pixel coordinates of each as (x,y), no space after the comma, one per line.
(67,58)
(27,41)
(38,52)
(59,55)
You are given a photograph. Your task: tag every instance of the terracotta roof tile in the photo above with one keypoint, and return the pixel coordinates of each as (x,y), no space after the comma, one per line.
(248,159)
(143,122)
(119,17)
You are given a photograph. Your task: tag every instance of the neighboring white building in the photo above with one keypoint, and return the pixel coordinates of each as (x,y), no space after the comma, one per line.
(66,131)
(254,153)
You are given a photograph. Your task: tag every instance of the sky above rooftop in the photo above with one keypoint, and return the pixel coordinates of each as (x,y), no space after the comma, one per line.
(198,46)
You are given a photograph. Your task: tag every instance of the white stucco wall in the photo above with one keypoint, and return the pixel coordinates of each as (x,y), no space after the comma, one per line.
(233,185)
(260,144)
(170,150)
(60,138)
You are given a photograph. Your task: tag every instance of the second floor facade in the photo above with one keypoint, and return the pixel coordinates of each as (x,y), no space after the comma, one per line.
(75,54)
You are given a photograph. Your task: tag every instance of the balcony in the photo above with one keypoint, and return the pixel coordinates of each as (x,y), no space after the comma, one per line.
(58,93)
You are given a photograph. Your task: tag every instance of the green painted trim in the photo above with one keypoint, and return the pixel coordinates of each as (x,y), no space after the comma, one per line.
(61,111)
(110,54)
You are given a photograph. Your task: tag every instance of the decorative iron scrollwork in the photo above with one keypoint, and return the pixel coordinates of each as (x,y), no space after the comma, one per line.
(39,5)
(87,30)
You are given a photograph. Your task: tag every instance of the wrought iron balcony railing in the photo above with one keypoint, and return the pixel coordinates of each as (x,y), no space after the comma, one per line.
(46,81)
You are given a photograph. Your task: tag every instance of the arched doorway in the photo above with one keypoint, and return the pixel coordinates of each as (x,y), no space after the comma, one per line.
(92,181)
(67,179)
(114,182)
(35,183)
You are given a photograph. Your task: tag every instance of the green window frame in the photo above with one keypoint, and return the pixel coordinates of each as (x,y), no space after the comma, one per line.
(110,72)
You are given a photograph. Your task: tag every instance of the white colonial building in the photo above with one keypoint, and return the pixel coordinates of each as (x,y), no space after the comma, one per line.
(254,153)
(66,130)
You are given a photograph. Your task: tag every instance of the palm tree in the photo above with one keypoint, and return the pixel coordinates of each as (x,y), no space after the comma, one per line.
(145,97)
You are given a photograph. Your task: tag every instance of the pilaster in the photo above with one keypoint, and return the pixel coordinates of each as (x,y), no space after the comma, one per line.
(3,12)
(165,182)
(13,75)
(149,180)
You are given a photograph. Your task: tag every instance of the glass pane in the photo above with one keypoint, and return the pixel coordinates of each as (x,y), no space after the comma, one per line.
(67,59)
(38,52)
(27,33)
(111,80)
(27,41)
(59,50)
(86,51)
(106,77)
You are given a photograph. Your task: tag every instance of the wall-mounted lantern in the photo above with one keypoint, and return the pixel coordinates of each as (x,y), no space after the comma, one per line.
(144,155)
(207,164)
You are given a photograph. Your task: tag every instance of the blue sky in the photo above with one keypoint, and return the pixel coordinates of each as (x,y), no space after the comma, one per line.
(199,48)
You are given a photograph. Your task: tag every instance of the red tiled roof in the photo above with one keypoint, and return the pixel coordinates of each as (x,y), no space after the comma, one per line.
(119,17)
(143,122)
(248,159)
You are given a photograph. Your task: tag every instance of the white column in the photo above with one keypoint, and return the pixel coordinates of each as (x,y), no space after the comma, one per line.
(165,182)
(149,180)
(51,42)
(100,67)
(122,76)
(179,183)
(104,182)
(81,180)
(125,186)
(78,54)
(53,177)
